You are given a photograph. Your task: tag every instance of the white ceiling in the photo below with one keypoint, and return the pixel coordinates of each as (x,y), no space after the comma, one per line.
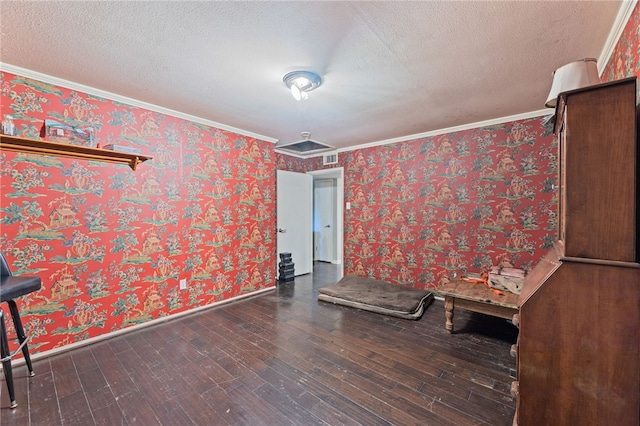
(390,69)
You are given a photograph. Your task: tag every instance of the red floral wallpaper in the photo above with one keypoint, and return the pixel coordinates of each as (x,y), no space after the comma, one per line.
(624,60)
(427,209)
(294,164)
(112,244)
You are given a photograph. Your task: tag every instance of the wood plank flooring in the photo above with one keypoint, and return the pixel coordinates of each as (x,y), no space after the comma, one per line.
(281,358)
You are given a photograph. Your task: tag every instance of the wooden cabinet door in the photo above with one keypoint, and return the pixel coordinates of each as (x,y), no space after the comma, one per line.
(598,167)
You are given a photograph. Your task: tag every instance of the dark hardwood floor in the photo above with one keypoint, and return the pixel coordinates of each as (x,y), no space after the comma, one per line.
(281,358)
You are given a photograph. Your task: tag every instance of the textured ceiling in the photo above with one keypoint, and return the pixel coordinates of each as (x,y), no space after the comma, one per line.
(390,69)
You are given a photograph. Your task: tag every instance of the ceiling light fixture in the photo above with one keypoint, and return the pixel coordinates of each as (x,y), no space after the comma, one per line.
(301,82)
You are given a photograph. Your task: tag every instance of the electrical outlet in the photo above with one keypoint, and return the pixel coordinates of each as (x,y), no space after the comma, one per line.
(183,284)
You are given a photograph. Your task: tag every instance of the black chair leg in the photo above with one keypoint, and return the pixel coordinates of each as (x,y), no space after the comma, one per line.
(17,323)
(6,360)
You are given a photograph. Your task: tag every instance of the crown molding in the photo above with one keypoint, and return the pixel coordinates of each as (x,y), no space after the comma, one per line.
(626,9)
(624,13)
(45,78)
(476,125)
(290,154)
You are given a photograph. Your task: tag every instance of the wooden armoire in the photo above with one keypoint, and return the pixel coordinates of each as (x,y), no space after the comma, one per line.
(578,351)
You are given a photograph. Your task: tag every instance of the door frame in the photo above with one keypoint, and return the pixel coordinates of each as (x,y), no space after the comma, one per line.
(326,187)
(338,174)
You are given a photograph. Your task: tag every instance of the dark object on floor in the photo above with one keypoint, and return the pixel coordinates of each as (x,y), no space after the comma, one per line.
(12,287)
(295,335)
(377,296)
(286,267)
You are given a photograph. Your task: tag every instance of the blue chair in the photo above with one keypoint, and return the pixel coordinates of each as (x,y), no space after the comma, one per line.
(12,287)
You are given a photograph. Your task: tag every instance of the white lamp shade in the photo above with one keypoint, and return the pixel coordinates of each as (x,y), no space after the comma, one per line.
(573,76)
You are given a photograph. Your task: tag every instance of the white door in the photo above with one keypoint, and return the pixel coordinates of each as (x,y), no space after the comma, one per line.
(294,218)
(324,223)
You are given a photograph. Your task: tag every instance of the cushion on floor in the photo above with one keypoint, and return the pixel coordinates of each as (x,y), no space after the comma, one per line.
(377,296)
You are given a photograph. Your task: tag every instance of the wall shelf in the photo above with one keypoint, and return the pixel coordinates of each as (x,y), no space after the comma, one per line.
(34,146)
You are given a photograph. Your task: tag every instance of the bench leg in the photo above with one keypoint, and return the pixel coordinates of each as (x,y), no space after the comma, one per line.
(448,314)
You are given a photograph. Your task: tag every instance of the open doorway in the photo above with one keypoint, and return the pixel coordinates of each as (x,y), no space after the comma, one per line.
(324,221)
(328,220)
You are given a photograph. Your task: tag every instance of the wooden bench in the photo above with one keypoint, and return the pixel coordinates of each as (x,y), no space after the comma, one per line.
(476,298)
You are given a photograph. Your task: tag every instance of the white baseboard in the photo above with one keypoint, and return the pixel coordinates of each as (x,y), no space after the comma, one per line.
(56,351)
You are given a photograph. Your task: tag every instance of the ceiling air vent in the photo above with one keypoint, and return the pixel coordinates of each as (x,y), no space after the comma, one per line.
(330,158)
(304,148)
